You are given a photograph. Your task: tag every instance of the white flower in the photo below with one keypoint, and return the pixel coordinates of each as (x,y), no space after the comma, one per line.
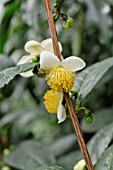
(48,61)
(35,48)
(80,165)
(60,77)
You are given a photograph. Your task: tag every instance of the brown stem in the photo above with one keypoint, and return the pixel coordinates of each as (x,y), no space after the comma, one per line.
(72,113)
(52,29)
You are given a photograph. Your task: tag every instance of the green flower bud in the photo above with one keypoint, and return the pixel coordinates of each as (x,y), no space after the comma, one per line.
(34,59)
(6,151)
(88,119)
(69,23)
(11,147)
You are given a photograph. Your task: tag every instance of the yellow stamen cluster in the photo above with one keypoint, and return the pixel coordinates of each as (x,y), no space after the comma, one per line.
(60,79)
(51,101)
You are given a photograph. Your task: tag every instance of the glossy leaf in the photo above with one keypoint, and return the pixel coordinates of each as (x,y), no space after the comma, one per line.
(98,144)
(69,160)
(67,142)
(89,77)
(30,155)
(8,74)
(106,161)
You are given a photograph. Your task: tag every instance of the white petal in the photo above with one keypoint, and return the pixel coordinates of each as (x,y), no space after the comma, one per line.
(61,113)
(48,45)
(73,63)
(27,74)
(60,94)
(48,60)
(26,59)
(33,47)
(80,165)
(60,46)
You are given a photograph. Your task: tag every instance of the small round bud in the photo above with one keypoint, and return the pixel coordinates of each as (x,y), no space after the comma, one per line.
(6,151)
(5,168)
(88,119)
(69,23)
(11,147)
(34,59)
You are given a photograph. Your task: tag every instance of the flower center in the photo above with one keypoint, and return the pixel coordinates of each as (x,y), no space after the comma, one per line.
(51,101)
(60,79)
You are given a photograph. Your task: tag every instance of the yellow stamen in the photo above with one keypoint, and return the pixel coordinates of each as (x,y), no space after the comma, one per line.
(60,79)
(51,101)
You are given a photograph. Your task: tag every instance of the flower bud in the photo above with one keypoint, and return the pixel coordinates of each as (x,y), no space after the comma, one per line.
(88,119)
(5,168)
(6,151)
(69,23)
(34,59)
(80,165)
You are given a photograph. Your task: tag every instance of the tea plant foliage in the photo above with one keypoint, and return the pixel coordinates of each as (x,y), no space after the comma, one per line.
(30,138)
(8,74)
(89,77)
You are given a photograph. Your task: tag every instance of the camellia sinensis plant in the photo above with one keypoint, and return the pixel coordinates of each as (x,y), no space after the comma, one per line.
(40,73)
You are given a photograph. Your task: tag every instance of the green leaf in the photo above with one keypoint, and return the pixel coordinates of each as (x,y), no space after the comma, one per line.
(106,161)
(41,127)
(51,168)
(101,118)
(30,155)
(6,23)
(67,142)
(86,80)
(69,160)
(8,74)
(17,116)
(98,144)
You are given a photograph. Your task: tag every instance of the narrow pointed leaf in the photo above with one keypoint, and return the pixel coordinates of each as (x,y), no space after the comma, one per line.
(98,144)
(67,142)
(69,160)
(106,161)
(30,155)
(89,77)
(8,74)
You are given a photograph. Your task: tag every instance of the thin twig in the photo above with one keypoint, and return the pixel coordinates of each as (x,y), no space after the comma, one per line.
(52,29)
(72,113)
